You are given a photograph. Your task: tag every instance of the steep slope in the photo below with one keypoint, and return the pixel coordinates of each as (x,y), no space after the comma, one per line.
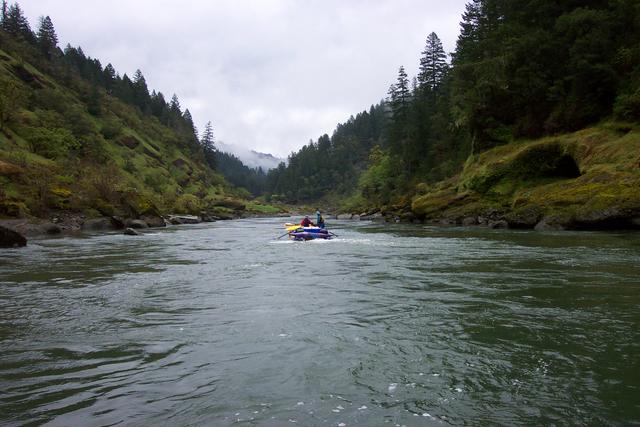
(68,146)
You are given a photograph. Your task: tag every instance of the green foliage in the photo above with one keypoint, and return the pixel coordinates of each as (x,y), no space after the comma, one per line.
(533,163)
(188,204)
(332,164)
(111,128)
(377,183)
(529,69)
(51,143)
(263,208)
(530,180)
(253,180)
(47,38)
(627,106)
(433,66)
(62,116)
(157,180)
(12,98)
(520,69)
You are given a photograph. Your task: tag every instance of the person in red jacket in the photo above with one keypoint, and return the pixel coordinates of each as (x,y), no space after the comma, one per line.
(306,222)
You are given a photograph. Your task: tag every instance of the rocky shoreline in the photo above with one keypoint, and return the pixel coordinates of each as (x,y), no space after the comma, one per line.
(15,232)
(609,219)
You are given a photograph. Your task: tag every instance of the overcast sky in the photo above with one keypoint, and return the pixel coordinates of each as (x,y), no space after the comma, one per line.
(271,74)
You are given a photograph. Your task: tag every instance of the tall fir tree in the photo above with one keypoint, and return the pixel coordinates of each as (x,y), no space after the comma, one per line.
(467,46)
(207,140)
(174,105)
(433,65)
(47,38)
(141,95)
(400,95)
(17,25)
(208,145)
(189,121)
(3,15)
(109,78)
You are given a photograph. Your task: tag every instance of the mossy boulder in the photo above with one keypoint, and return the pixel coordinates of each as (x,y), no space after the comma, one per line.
(504,175)
(586,180)
(12,208)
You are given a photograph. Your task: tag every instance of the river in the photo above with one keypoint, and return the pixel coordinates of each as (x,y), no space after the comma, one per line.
(402,325)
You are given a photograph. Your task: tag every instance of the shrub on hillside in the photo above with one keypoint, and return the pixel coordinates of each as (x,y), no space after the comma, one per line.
(188,204)
(51,143)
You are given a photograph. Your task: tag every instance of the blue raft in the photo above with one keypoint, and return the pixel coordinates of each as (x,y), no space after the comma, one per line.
(309,233)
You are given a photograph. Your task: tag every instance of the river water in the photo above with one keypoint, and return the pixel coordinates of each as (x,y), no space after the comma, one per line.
(220,324)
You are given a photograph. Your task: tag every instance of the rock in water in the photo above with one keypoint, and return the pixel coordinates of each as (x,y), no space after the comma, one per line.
(154,220)
(11,239)
(135,223)
(184,219)
(500,224)
(131,232)
(51,228)
(469,221)
(548,224)
(96,224)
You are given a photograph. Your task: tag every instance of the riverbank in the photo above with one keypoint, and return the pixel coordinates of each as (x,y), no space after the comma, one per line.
(587,180)
(65,223)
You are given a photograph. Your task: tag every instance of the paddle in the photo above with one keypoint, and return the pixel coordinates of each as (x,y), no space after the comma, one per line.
(285,234)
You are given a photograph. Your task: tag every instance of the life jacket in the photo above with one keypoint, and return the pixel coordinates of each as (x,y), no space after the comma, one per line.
(321,222)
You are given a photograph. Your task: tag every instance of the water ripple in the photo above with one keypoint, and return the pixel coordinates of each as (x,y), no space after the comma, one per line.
(220,324)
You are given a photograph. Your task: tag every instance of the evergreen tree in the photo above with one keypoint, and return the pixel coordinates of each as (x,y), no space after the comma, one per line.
(208,145)
(174,106)
(47,38)
(433,65)
(207,140)
(109,78)
(141,96)
(239,174)
(400,95)
(159,107)
(3,17)
(16,24)
(469,37)
(125,89)
(189,121)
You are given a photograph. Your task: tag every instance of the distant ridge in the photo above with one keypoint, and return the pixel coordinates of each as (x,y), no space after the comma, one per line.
(251,158)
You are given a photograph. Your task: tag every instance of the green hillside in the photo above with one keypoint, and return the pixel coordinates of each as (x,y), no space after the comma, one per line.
(75,137)
(587,179)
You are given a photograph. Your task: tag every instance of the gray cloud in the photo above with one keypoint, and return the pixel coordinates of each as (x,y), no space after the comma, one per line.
(270,75)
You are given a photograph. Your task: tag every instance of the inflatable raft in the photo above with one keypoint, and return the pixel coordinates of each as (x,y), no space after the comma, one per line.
(297,232)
